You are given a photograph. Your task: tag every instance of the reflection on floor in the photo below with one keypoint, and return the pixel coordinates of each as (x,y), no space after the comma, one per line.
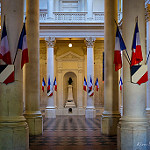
(72,133)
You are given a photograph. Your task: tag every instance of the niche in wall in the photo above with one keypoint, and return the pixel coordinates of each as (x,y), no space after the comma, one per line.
(65,86)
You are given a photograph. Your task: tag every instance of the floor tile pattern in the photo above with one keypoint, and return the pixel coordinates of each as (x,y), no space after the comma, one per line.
(72,133)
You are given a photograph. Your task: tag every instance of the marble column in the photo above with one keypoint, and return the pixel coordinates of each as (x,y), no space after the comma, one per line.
(148,49)
(50,9)
(111,114)
(90,10)
(14,131)
(133,126)
(32,70)
(80,93)
(50,109)
(90,111)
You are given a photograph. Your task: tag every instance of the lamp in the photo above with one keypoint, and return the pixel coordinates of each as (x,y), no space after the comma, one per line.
(70,44)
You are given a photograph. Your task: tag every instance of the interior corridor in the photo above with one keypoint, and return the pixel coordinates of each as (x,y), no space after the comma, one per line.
(72,133)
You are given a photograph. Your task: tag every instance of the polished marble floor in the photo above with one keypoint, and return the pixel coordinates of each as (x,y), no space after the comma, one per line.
(72,133)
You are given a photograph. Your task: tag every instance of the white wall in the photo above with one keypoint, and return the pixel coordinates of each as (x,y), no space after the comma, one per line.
(43,4)
(98,5)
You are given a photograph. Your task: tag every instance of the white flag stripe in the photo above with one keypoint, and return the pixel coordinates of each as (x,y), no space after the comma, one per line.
(117,44)
(138,39)
(24,46)
(139,73)
(4,46)
(6,73)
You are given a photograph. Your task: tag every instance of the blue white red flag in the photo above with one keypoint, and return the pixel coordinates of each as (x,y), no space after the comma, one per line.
(7,73)
(49,88)
(84,84)
(48,85)
(97,84)
(120,84)
(22,45)
(90,84)
(136,47)
(119,45)
(55,84)
(139,74)
(4,47)
(43,84)
(90,88)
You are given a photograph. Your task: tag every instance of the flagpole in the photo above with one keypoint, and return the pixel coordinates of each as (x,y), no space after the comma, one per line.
(147,57)
(129,61)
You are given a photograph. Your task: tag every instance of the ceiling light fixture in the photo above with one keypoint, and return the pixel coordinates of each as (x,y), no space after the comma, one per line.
(70,44)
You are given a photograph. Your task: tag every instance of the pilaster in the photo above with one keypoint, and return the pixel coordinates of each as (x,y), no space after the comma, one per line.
(90,111)
(51,107)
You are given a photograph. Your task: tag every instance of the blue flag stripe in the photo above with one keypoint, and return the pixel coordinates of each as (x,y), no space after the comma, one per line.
(4,32)
(134,38)
(23,33)
(134,69)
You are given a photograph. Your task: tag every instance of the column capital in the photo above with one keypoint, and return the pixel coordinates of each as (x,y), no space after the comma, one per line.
(147,12)
(90,41)
(50,41)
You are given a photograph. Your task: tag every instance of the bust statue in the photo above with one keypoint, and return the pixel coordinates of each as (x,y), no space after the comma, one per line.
(70,81)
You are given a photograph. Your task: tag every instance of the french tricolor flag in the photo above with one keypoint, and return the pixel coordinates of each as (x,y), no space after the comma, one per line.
(84,84)
(55,84)
(43,84)
(90,87)
(4,47)
(48,85)
(119,45)
(97,84)
(90,84)
(22,45)
(136,47)
(120,84)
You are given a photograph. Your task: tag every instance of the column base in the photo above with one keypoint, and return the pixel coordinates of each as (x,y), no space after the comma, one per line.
(133,134)
(148,113)
(109,123)
(50,112)
(14,133)
(35,122)
(121,110)
(90,113)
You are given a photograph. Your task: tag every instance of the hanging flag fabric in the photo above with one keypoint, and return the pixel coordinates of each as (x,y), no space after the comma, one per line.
(55,84)
(43,84)
(97,84)
(22,45)
(120,84)
(90,84)
(90,88)
(7,73)
(4,47)
(84,84)
(119,45)
(139,74)
(136,47)
(48,85)
(50,93)
(49,88)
